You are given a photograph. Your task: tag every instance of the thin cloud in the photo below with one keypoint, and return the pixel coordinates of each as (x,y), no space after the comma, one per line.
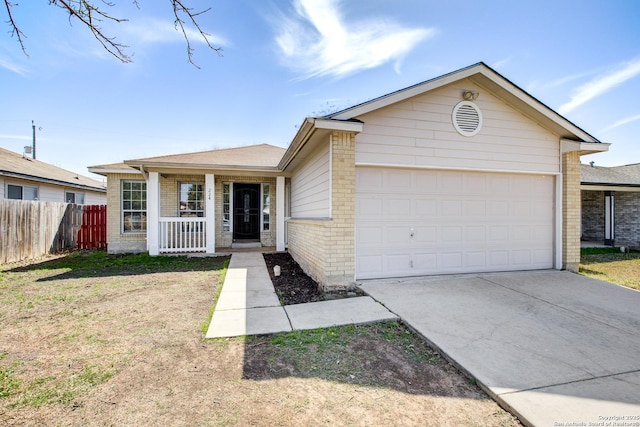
(622,122)
(12,66)
(601,85)
(19,137)
(156,31)
(317,42)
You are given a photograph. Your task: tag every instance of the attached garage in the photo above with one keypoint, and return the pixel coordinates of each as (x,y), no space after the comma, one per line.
(463,173)
(418,222)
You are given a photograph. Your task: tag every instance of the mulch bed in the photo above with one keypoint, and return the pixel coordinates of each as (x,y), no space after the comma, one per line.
(293,286)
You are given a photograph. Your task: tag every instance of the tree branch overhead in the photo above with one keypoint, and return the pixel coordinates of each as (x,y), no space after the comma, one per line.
(93,13)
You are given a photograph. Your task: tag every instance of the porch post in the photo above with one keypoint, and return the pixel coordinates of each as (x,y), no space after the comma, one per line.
(280,243)
(210,211)
(153,212)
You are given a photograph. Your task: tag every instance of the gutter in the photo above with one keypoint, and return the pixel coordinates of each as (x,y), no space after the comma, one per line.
(307,130)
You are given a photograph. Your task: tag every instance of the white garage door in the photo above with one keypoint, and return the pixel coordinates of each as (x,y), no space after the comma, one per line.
(419,222)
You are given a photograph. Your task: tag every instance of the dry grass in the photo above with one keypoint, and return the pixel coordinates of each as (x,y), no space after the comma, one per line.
(92,339)
(612,266)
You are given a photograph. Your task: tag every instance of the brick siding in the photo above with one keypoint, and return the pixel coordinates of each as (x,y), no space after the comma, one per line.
(571,211)
(325,249)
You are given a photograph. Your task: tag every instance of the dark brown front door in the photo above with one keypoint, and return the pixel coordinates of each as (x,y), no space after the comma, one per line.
(246,211)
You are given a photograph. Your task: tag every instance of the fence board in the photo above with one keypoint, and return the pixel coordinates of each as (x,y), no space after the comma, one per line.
(31,229)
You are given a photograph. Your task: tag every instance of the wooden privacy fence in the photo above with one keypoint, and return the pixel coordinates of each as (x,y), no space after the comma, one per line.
(93,233)
(31,229)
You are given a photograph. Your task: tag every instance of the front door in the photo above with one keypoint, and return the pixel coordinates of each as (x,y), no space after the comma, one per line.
(246,211)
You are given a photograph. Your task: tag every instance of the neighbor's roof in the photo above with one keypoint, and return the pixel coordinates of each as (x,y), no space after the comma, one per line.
(252,157)
(627,175)
(17,166)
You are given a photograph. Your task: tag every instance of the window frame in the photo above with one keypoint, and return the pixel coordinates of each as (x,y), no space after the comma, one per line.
(227,202)
(22,187)
(199,213)
(265,225)
(76,196)
(142,212)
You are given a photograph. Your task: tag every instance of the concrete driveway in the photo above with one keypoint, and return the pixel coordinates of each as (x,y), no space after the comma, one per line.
(554,348)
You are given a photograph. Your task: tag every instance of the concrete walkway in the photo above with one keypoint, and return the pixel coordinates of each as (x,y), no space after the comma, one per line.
(554,348)
(248,305)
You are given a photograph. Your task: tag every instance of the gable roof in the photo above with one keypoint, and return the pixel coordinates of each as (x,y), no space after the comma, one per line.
(17,166)
(571,136)
(489,78)
(624,176)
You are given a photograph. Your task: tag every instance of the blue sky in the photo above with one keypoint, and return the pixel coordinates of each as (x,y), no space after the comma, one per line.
(285,60)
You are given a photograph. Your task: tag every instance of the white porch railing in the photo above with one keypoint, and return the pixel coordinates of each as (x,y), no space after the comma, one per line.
(182,235)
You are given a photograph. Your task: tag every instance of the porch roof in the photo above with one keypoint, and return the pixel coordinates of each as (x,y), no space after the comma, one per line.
(262,157)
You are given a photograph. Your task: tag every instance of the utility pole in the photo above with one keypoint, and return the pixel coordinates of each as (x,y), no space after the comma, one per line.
(33,127)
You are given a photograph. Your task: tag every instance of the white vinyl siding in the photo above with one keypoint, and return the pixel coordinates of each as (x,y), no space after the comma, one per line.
(310,186)
(420,132)
(423,222)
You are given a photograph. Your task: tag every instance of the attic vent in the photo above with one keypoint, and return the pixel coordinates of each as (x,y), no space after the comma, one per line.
(467,118)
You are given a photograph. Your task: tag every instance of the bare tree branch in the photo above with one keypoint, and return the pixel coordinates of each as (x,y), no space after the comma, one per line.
(91,16)
(15,31)
(179,7)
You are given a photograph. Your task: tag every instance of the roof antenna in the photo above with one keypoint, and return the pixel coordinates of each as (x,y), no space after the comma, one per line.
(592,163)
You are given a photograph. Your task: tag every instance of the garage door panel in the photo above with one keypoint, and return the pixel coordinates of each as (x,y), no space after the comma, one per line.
(452,222)
(398,263)
(399,208)
(425,235)
(450,208)
(476,260)
(370,207)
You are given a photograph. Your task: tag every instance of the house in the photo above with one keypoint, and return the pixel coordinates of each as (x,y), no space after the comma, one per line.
(24,178)
(462,173)
(611,204)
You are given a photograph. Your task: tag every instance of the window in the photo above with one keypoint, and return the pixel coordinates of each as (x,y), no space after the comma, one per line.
(191,199)
(22,192)
(134,206)
(226,206)
(266,207)
(70,197)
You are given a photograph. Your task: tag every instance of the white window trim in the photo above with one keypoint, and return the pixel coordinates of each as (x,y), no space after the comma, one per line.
(262,185)
(122,210)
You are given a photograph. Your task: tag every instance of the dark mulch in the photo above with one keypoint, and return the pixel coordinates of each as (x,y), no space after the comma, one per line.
(293,286)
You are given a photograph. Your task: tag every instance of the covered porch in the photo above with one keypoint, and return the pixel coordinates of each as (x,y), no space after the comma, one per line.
(208,213)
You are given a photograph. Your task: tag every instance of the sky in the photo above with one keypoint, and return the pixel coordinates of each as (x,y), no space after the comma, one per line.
(284,60)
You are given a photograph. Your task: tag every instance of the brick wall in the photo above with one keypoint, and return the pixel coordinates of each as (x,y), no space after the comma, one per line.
(593,216)
(627,219)
(571,211)
(325,249)
(117,241)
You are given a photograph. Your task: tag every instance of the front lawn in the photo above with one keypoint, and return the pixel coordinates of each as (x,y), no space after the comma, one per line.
(91,339)
(611,265)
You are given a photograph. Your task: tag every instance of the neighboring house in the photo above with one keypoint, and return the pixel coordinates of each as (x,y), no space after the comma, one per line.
(611,204)
(462,173)
(23,178)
